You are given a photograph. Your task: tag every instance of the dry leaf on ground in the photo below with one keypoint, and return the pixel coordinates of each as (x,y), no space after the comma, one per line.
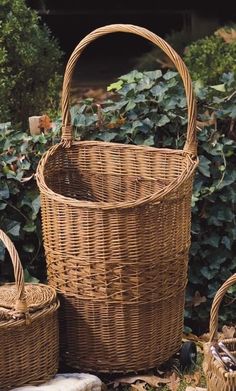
(174,382)
(152,380)
(138,387)
(198,299)
(204,337)
(228,331)
(190,388)
(193,379)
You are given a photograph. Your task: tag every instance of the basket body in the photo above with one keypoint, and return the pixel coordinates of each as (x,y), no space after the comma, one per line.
(29,333)
(121,270)
(29,353)
(116,231)
(218,379)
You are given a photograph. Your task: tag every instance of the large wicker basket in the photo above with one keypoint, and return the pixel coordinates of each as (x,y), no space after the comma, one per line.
(116,230)
(29,337)
(218,378)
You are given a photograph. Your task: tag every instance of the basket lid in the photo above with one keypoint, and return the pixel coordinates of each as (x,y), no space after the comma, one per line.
(19,300)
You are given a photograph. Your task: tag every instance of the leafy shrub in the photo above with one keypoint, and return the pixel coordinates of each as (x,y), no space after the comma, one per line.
(210,57)
(151,60)
(178,40)
(207,58)
(19,196)
(29,64)
(147,108)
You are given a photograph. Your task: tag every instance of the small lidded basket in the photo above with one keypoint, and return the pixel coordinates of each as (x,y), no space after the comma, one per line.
(220,357)
(29,335)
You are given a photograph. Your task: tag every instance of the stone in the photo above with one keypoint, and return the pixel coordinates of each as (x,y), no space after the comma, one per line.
(67,382)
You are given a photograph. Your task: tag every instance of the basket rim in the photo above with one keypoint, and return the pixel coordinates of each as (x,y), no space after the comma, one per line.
(157,197)
(34,316)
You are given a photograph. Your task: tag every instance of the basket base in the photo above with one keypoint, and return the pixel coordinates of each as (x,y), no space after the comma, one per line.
(103,337)
(29,353)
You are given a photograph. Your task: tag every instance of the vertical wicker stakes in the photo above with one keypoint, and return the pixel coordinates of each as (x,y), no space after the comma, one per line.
(218,379)
(116,229)
(29,344)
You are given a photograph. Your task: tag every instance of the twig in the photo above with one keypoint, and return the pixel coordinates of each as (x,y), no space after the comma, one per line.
(16,209)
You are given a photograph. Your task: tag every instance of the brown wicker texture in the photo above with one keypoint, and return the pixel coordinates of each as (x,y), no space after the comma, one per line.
(218,379)
(116,229)
(29,336)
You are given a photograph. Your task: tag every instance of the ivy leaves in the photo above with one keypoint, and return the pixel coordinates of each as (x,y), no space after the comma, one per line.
(19,196)
(142,102)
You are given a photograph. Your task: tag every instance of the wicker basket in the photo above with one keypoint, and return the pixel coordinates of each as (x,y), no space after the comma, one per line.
(116,230)
(218,378)
(28,329)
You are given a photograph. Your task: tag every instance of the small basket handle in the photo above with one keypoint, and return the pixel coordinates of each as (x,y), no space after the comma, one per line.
(216,304)
(20,305)
(191,141)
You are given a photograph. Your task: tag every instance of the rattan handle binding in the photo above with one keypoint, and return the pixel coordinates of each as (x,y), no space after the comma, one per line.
(215,307)
(20,305)
(67,137)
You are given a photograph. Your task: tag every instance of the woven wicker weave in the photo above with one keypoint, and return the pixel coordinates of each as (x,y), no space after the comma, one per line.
(28,329)
(218,379)
(116,229)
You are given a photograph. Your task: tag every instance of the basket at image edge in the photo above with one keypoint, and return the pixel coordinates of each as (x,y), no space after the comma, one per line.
(29,335)
(116,233)
(218,378)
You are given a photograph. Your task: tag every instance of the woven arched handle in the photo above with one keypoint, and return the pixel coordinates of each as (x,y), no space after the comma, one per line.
(216,304)
(20,305)
(191,141)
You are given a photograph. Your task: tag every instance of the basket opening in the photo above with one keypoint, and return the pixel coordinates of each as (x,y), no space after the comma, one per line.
(97,171)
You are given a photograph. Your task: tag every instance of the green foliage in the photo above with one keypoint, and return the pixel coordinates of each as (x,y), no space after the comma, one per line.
(213,251)
(207,58)
(150,108)
(178,40)
(210,57)
(144,102)
(29,64)
(19,197)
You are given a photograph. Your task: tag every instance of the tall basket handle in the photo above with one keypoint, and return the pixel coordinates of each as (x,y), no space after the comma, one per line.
(216,304)
(20,305)
(67,137)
